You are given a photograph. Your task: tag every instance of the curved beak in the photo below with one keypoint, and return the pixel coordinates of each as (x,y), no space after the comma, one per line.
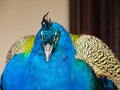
(48,49)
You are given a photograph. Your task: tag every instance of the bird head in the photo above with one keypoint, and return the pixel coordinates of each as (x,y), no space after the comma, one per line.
(49,35)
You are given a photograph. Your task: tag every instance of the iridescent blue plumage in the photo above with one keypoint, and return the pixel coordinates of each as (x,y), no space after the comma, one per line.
(57,71)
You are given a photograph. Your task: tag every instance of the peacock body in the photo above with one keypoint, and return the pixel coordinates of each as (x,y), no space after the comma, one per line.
(46,62)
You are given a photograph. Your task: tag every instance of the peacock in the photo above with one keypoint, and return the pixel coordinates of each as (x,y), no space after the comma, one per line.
(54,59)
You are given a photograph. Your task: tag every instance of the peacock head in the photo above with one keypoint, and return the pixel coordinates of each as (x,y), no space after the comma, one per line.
(49,35)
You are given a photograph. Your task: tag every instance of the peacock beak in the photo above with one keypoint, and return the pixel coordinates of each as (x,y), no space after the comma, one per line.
(48,49)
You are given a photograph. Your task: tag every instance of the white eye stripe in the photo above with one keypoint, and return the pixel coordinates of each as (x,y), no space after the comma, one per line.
(41,35)
(56,37)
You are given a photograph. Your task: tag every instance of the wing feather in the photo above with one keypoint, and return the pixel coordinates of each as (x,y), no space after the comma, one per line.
(99,56)
(22,45)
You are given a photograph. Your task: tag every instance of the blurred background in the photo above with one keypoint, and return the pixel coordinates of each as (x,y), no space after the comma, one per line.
(23,17)
(100,18)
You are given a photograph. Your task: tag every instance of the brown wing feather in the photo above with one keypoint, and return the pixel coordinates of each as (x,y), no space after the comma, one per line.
(99,56)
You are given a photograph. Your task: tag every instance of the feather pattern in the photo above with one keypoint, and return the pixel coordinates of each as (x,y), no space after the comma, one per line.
(99,56)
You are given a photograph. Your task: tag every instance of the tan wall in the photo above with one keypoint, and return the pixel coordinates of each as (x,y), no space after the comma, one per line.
(22,17)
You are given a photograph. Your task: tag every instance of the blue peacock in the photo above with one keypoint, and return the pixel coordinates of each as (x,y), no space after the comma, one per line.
(52,60)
